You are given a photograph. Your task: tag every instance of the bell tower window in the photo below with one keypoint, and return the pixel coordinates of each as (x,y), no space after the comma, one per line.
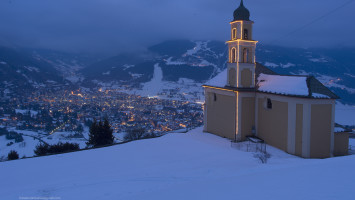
(233,56)
(234,34)
(246,34)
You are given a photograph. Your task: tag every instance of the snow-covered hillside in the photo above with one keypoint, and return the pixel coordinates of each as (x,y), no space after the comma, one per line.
(31,139)
(177,166)
(184,89)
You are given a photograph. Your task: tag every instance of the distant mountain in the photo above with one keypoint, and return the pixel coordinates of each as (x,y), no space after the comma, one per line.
(199,61)
(25,70)
(124,68)
(67,64)
(20,72)
(179,65)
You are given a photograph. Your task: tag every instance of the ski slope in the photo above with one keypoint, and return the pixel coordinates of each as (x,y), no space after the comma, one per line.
(178,166)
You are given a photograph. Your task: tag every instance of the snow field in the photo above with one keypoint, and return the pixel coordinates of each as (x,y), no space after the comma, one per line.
(195,165)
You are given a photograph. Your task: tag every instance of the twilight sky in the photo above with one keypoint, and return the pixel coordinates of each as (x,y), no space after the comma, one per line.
(110,26)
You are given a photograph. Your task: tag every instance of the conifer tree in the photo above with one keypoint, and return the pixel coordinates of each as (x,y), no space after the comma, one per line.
(93,133)
(107,132)
(100,134)
(13,155)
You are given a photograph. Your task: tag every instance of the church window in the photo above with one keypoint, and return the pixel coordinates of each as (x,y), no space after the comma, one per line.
(246,34)
(214,97)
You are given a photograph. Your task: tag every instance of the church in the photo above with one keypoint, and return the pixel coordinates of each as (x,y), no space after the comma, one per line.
(293,113)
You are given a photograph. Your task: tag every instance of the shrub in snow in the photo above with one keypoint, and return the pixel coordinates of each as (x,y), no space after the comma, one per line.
(101,134)
(14,136)
(13,155)
(45,149)
(79,129)
(3,131)
(63,147)
(41,149)
(19,139)
(151,135)
(9,144)
(135,134)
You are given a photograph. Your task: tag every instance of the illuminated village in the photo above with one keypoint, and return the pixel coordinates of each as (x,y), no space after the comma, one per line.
(72,111)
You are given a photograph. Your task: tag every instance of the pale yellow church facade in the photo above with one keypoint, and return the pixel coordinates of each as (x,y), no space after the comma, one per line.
(293,113)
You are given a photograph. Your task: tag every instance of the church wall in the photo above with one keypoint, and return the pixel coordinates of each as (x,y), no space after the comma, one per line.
(248,116)
(300,126)
(299,129)
(221,113)
(237,26)
(273,123)
(321,120)
(232,78)
(246,78)
(341,146)
(307,137)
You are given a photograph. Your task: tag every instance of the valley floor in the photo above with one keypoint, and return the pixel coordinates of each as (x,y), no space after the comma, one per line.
(194,165)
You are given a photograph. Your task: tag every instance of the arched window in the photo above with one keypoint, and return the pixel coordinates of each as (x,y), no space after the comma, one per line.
(246,34)
(245,55)
(233,55)
(234,34)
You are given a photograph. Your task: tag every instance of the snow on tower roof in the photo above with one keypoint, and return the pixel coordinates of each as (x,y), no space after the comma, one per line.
(287,85)
(220,80)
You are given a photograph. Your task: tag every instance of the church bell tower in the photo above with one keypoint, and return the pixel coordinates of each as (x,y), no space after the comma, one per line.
(241,47)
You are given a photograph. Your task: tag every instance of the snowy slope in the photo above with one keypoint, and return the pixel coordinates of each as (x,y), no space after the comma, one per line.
(154,86)
(177,166)
(27,147)
(183,89)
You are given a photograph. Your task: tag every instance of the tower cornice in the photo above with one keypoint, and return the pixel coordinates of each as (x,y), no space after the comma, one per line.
(239,40)
(241,21)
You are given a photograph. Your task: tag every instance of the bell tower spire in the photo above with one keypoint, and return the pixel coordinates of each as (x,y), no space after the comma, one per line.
(241,63)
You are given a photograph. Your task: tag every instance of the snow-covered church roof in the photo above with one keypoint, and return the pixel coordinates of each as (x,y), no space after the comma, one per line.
(218,81)
(268,81)
(288,85)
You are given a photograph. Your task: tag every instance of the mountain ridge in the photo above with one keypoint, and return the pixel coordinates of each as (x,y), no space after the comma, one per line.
(181,61)
(205,59)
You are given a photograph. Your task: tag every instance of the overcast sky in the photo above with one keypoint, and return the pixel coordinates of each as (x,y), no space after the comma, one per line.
(111,26)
